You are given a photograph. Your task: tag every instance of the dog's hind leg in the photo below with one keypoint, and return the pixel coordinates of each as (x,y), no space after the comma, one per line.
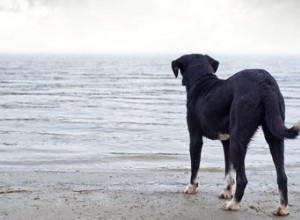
(228,191)
(195,154)
(277,150)
(237,154)
(245,118)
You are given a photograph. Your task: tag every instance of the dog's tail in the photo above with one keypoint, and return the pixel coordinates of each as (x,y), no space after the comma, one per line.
(276,125)
(292,132)
(275,113)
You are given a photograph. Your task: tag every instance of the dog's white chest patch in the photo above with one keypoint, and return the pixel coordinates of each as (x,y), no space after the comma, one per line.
(297,125)
(223,137)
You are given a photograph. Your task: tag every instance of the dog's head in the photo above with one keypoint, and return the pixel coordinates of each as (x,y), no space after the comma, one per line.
(192,65)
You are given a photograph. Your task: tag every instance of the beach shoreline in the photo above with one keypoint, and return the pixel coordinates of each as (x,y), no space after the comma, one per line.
(136,194)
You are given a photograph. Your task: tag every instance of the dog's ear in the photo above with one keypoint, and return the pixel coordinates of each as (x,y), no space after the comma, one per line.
(176,67)
(214,63)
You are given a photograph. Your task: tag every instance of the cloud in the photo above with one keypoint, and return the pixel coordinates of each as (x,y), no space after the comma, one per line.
(116,26)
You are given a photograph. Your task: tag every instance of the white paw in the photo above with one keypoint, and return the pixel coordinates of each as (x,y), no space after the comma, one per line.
(232,205)
(282,211)
(191,189)
(226,194)
(230,187)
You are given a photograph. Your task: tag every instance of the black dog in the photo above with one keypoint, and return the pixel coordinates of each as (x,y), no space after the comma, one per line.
(231,111)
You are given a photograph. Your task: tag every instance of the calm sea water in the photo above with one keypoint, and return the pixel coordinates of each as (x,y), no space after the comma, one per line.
(69,112)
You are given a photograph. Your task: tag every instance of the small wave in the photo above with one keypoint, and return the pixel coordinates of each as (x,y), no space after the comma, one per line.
(130,154)
(150,156)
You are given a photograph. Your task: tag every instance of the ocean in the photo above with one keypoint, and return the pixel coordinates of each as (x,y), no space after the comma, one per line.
(95,112)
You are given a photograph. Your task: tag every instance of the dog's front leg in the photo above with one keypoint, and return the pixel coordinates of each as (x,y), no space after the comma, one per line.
(228,191)
(195,154)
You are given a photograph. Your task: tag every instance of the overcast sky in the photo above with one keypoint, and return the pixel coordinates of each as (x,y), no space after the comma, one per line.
(150,26)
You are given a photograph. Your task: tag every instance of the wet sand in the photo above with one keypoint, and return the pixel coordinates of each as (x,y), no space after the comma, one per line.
(137,194)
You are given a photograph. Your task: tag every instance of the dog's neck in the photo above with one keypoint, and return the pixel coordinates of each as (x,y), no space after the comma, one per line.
(201,81)
(201,85)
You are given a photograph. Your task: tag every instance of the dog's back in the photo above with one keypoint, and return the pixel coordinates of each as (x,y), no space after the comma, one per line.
(253,90)
(260,91)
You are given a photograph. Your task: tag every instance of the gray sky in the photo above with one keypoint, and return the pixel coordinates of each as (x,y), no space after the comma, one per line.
(150,26)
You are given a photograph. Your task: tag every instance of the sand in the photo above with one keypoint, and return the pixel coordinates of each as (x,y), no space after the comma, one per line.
(137,194)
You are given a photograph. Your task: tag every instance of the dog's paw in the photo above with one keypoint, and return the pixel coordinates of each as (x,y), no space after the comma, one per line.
(191,189)
(226,194)
(282,211)
(231,205)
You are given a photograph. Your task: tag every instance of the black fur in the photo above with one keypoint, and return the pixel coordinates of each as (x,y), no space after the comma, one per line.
(236,106)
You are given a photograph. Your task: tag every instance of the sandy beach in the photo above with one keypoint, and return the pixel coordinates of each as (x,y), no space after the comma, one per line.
(137,194)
